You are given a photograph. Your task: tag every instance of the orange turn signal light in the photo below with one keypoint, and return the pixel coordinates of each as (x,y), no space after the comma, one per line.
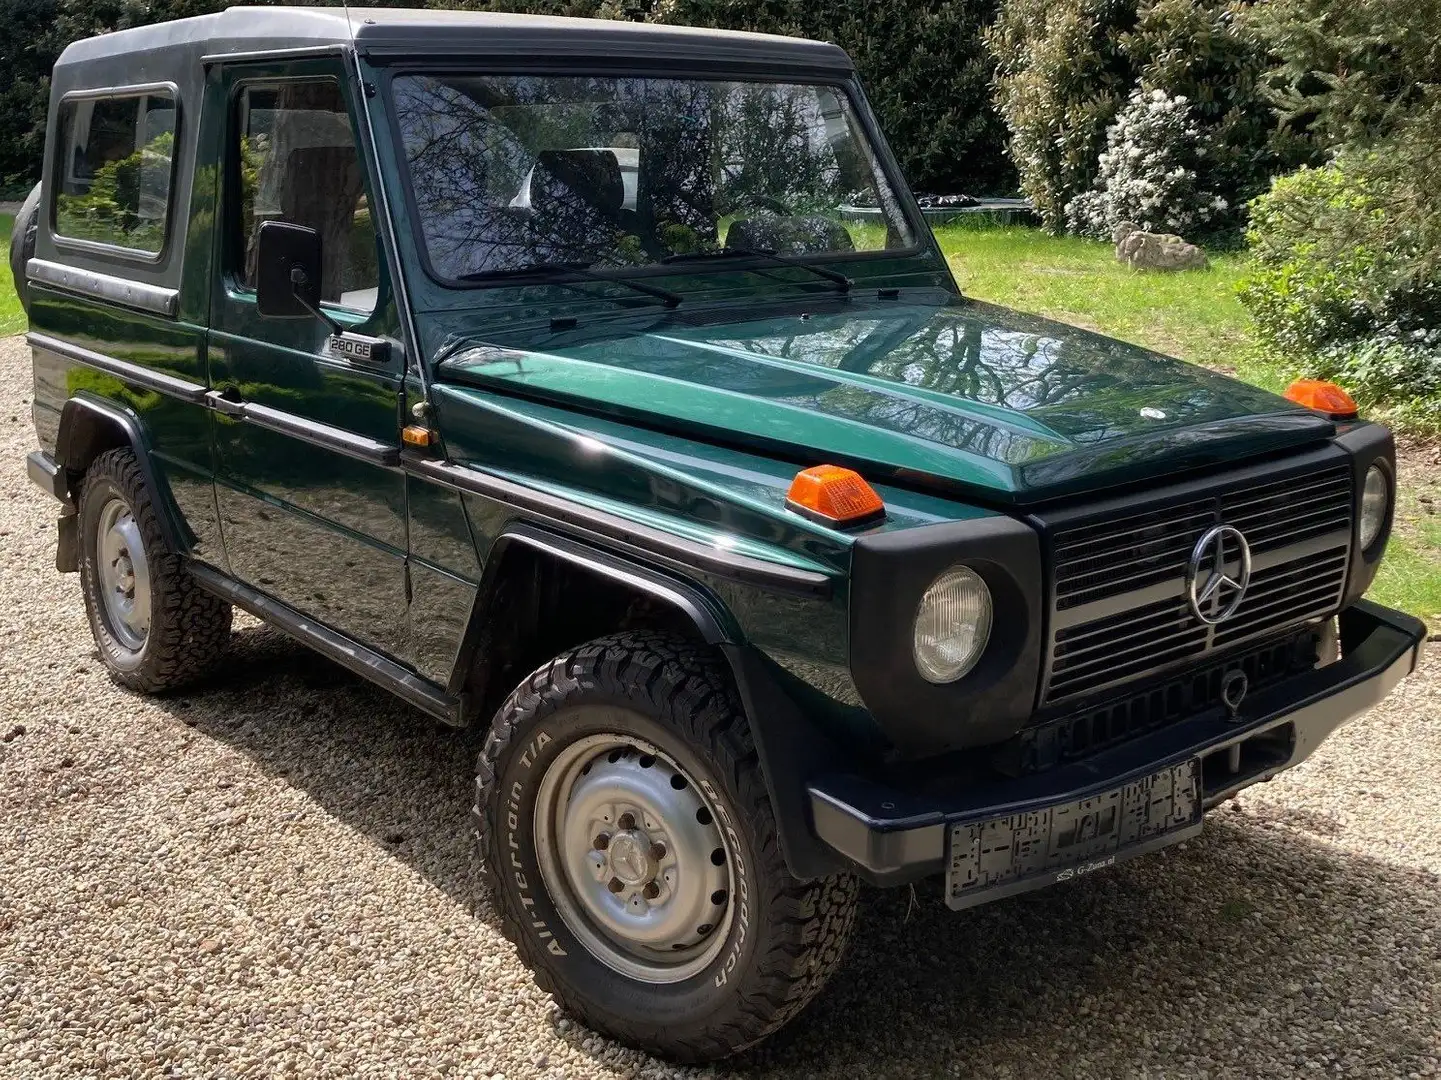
(1322,397)
(835,496)
(416,435)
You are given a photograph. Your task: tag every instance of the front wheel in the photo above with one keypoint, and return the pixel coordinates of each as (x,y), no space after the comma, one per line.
(625,823)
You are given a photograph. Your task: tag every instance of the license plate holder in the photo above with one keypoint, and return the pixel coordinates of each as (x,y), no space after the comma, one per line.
(1042,845)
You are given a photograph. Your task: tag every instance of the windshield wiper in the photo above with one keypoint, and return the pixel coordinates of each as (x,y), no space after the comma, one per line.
(842,282)
(578,269)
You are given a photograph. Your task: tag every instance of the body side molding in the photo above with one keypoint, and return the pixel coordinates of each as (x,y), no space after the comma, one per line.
(140,295)
(360,447)
(327,436)
(138,374)
(624,536)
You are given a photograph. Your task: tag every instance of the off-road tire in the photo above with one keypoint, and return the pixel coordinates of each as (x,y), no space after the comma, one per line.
(189,628)
(678,696)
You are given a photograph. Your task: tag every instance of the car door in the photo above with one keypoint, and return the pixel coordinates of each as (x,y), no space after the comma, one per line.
(312,508)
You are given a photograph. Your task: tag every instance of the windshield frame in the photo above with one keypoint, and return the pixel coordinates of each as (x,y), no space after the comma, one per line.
(847,87)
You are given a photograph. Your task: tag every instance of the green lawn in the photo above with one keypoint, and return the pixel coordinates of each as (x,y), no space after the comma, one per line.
(1194,315)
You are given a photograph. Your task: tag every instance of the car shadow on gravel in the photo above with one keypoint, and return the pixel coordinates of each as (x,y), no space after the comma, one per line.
(1251,950)
(384,768)
(1253,932)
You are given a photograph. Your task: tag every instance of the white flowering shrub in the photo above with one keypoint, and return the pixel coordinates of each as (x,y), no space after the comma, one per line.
(1149,172)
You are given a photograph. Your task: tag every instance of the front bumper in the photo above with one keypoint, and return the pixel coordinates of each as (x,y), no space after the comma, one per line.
(890,835)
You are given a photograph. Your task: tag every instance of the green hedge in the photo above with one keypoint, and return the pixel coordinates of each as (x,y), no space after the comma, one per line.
(1067,67)
(1346,278)
(1345,282)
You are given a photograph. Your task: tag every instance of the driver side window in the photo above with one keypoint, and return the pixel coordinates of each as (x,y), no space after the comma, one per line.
(298,164)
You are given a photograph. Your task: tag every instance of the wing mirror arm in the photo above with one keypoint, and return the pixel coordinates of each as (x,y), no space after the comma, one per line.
(300,288)
(288,270)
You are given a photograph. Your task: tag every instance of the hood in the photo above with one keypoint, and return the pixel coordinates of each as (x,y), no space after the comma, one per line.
(965,396)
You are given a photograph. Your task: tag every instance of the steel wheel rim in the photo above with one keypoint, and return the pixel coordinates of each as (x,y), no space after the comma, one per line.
(633,856)
(124,575)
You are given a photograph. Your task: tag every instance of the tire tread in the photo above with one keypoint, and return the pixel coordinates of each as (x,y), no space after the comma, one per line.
(688,685)
(189,627)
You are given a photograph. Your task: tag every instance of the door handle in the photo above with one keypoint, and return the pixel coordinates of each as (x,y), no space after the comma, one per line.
(226,400)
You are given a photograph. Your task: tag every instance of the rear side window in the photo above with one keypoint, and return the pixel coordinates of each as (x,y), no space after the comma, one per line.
(113,177)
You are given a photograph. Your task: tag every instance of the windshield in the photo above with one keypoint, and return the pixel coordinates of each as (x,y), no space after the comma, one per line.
(509,171)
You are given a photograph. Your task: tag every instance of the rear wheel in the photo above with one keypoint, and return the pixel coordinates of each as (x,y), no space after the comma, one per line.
(155,628)
(625,822)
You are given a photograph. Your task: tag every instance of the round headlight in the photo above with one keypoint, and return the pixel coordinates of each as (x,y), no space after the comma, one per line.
(1375,497)
(953,624)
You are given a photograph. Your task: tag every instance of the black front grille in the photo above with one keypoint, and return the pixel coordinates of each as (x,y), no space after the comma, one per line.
(1125,554)
(1290,592)
(1121,608)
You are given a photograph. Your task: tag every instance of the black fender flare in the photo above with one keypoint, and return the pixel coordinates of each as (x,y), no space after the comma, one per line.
(788,745)
(708,617)
(90,425)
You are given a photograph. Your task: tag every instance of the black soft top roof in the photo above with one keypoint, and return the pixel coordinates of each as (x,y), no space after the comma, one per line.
(401,32)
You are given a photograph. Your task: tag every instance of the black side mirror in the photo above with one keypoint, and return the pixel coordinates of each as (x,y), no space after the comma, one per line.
(287,273)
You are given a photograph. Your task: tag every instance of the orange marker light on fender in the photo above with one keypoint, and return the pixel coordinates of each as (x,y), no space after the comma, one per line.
(1322,397)
(835,496)
(416,435)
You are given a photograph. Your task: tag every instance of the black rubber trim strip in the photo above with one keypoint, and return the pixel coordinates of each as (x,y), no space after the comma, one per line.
(333,645)
(278,56)
(626,536)
(141,295)
(323,435)
(138,374)
(341,441)
(601,45)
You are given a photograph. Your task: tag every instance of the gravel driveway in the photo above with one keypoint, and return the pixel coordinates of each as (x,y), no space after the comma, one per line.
(272,876)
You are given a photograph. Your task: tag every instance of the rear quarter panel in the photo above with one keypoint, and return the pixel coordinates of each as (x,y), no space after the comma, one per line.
(178,432)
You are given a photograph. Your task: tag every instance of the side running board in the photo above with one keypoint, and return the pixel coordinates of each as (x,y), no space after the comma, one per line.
(365,662)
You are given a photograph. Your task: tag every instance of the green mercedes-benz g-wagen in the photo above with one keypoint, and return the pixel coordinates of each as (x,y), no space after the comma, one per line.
(601,384)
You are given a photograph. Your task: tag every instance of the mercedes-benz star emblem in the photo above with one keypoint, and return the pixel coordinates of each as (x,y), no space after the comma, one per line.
(1217,576)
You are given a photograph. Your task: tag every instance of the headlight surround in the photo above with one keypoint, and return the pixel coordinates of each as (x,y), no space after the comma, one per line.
(953,624)
(1375,501)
